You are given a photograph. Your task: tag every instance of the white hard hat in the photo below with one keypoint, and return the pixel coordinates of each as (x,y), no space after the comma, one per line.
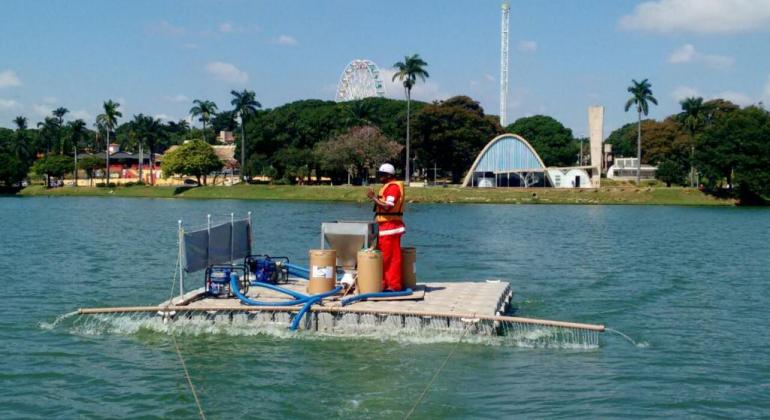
(387,168)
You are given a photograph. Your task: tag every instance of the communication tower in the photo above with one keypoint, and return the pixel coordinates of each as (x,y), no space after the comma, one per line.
(504,64)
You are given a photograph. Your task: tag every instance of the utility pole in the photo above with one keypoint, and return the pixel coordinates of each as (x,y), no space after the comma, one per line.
(141,163)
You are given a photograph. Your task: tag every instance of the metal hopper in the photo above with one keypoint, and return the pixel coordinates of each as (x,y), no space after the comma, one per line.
(347,238)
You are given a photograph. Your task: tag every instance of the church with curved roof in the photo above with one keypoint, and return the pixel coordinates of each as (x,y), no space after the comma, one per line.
(509,160)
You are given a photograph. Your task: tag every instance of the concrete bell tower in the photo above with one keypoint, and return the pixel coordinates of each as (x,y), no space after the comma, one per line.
(596,137)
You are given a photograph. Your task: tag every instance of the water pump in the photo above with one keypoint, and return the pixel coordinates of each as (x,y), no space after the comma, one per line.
(266,269)
(217,283)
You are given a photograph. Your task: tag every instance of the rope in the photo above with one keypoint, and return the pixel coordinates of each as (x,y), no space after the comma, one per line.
(435,375)
(173,280)
(187,376)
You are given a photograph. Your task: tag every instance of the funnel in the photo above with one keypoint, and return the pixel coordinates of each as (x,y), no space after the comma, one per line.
(347,238)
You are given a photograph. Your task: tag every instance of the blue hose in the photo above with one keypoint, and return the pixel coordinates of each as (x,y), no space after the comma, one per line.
(305,300)
(301,272)
(405,292)
(298,271)
(292,293)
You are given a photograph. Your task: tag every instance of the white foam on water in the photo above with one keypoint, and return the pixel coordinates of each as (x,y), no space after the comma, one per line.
(428,332)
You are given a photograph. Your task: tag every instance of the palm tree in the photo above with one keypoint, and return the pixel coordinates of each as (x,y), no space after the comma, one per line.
(203,109)
(21,147)
(409,70)
(246,105)
(48,128)
(77,130)
(109,119)
(21,123)
(641,94)
(149,131)
(693,117)
(59,113)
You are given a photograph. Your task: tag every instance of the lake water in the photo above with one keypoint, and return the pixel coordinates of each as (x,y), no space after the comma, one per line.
(689,285)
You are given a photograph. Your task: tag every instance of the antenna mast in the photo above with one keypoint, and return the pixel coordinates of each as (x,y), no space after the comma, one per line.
(504,64)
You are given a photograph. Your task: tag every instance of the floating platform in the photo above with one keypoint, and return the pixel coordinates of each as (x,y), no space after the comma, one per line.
(439,305)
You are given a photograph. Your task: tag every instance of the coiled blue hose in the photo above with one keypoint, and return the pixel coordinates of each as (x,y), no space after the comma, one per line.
(300,299)
(405,292)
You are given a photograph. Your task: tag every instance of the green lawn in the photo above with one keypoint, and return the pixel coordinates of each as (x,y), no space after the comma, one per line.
(608,195)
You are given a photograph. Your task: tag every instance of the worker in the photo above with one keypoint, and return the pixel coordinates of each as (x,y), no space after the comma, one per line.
(388,209)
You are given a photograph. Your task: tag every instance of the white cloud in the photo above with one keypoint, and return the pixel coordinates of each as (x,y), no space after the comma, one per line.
(489,77)
(227,72)
(683,54)
(164,117)
(81,114)
(176,98)
(683,92)
(527,46)
(50,100)
(8,78)
(226,27)
(738,98)
(474,82)
(42,110)
(423,91)
(698,16)
(688,54)
(286,40)
(166,29)
(6,104)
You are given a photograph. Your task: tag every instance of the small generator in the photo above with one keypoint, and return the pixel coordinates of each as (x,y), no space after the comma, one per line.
(218,280)
(266,269)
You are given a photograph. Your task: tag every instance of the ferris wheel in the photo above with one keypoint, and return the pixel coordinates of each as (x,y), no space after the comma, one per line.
(360,79)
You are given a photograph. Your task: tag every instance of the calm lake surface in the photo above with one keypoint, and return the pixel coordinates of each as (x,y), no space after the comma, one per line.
(689,285)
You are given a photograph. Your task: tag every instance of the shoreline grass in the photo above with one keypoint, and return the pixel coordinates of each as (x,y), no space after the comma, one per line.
(617,195)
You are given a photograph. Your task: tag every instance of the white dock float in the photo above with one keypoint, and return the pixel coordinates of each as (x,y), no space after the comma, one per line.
(426,309)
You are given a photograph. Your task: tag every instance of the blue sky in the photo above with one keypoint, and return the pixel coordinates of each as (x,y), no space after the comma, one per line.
(155,57)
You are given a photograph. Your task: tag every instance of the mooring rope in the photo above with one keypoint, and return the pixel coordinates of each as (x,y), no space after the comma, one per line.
(187,376)
(435,375)
(173,280)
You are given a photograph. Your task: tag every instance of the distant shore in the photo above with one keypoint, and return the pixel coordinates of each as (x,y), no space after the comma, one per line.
(625,195)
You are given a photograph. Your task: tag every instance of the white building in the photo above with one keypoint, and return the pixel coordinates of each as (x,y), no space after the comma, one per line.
(625,169)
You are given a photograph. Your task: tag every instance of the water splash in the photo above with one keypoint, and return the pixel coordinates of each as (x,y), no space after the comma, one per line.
(59,319)
(410,330)
(641,344)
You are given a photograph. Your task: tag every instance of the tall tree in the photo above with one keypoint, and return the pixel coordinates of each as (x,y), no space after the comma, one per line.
(20,122)
(150,132)
(196,158)
(246,105)
(59,113)
(693,117)
(641,96)
(408,71)
(21,147)
(77,132)
(203,109)
(109,120)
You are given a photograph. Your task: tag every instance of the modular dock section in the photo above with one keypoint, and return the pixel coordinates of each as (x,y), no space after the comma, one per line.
(439,306)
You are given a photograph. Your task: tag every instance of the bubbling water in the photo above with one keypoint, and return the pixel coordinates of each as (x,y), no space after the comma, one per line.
(328,326)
